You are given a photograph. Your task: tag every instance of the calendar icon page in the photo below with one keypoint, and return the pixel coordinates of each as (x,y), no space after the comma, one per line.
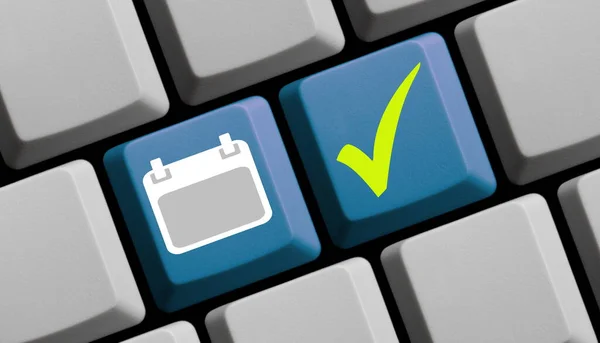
(208,196)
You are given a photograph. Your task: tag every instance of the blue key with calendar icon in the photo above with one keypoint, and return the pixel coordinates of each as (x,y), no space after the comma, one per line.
(212,204)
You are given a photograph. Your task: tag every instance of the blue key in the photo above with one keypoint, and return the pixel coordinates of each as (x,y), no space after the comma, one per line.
(212,204)
(427,159)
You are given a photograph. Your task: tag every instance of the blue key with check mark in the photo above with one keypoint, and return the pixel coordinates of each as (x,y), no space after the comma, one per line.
(388,140)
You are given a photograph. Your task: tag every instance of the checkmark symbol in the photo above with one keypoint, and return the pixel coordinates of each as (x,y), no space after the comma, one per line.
(375,172)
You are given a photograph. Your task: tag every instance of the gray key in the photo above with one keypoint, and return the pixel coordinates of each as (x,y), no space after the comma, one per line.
(374,19)
(498,276)
(580,200)
(217,47)
(180,332)
(341,303)
(65,277)
(534,65)
(72,72)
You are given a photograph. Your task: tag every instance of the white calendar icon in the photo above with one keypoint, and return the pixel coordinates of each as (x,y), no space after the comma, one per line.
(208,196)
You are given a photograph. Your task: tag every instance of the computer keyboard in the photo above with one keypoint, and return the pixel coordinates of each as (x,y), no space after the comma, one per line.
(303,171)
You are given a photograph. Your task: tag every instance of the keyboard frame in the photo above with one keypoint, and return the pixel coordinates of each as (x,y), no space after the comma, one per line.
(330,254)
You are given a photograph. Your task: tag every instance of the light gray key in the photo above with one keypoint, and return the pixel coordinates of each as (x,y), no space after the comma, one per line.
(65,277)
(72,72)
(580,200)
(534,65)
(180,332)
(217,47)
(498,276)
(374,19)
(341,303)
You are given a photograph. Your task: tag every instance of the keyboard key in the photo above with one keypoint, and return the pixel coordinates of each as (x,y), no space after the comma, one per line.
(71,73)
(368,179)
(65,277)
(212,204)
(180,332)
(374,19)
(580,200)
(217,47)
(341,303)
(536,86)
(500,275)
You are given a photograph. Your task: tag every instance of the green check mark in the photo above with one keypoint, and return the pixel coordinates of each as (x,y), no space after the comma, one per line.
(375,172)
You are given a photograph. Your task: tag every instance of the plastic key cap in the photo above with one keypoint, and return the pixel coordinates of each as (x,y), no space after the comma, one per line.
(498,276)
(341,303)
(65,277)
(538,90)
(217,47)
(580,200)
(72,72)
(374,19)
(180,332)
(212,204)
(388,140)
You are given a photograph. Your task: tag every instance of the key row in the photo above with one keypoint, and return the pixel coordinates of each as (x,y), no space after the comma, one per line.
(91,75)
(220,187)
(498,275)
